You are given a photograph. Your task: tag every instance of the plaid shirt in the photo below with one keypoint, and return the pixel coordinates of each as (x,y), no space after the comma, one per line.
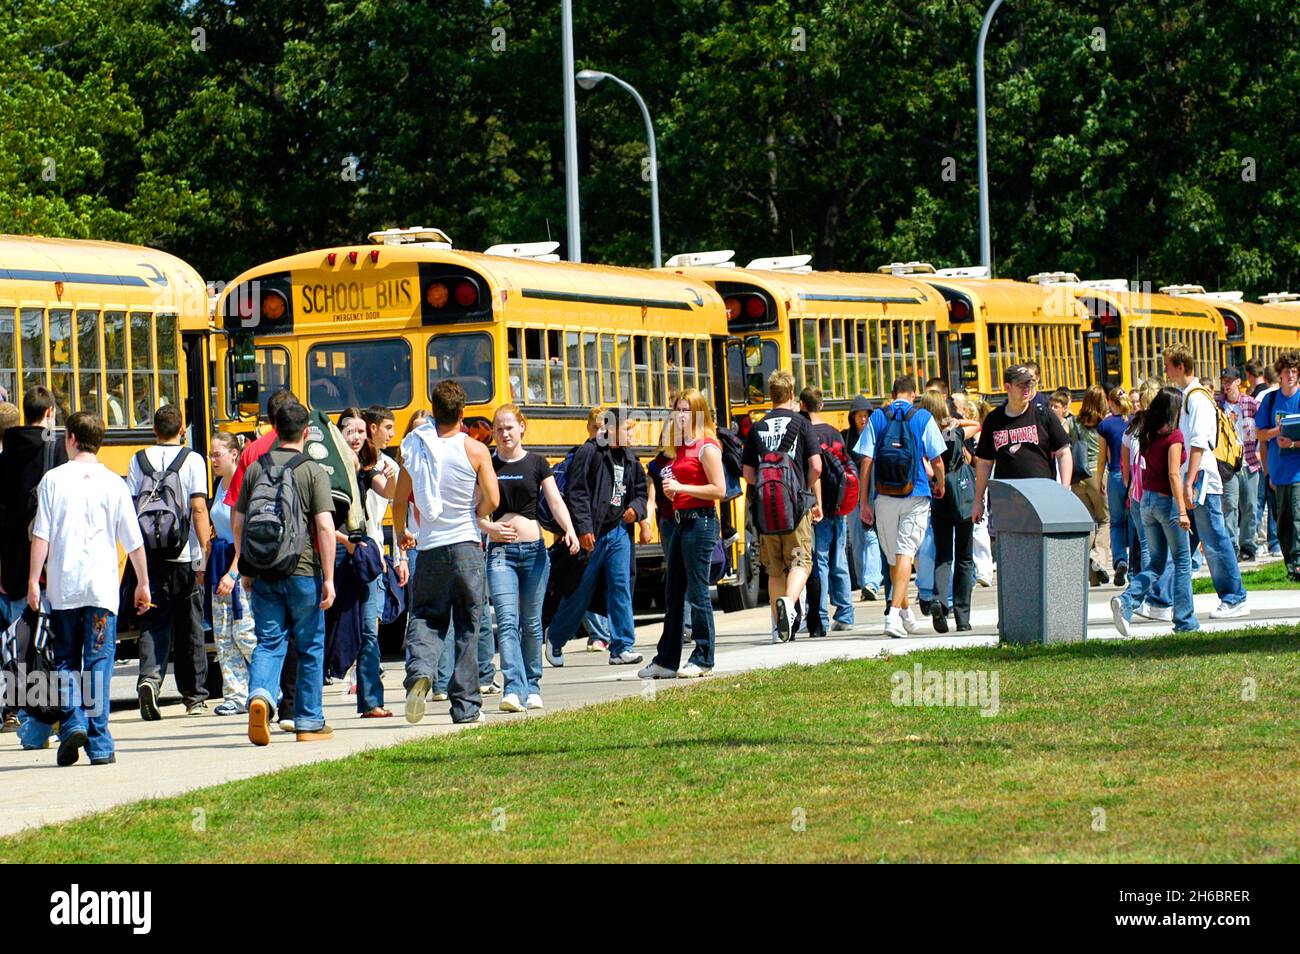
(1248,407)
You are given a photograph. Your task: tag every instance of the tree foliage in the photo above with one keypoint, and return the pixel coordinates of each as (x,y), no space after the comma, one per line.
(1150,139)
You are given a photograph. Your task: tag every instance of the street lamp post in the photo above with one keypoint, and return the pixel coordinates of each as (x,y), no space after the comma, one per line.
(574,226)
(986,245)
(588,79)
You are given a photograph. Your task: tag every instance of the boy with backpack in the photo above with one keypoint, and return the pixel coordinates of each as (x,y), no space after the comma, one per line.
(783,464)
(839,483)
(169,483)
(284,498)
(903,444)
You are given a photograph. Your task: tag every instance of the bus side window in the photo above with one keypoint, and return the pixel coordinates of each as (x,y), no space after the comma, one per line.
(625,391)
(658,371)
(169,388)
(8,357)
(555,360)
(674,367)
(515,363)
(90,366)
(573,352)
(641,371)
(61,361)
(608,374)
(33,338)
(702,366)
(116,403)
(689,369)
(143,400)
(591,368)
(535,366)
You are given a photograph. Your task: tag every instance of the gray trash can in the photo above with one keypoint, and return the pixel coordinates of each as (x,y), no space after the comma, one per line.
(1043,540)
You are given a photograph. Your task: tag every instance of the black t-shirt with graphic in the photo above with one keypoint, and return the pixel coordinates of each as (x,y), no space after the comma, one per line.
(769,433)
(1021,446)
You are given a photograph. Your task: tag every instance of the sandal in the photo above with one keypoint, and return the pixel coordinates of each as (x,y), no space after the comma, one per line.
(377,713)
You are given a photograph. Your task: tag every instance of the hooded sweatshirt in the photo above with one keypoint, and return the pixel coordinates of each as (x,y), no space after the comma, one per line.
(852,433)
(22,465)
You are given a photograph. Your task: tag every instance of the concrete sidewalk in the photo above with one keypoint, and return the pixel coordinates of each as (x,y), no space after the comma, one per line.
(179,754)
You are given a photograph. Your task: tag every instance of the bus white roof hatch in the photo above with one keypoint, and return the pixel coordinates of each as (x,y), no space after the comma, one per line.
(416,235)
(1055,278)
(906,268)
(1106,284)
(965,271)
(721,258)
(1198,291)
(1278,298)
(785,263)
(538,251)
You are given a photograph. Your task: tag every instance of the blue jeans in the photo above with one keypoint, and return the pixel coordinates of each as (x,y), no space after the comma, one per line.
(282,608)
(611,559)
(85,641)
(833,568)
(1220,552)
(517,574)
(1158,596)
(692,615)
(1248,493)
(34,734)
(486,649)
(864,552)
(690,553)
(1166,541)
(370,682)
(1117,504)
(1267,499)
(925,566)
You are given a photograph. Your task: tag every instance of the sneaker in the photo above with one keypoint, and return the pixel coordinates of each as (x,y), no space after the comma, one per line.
(229,707)
(510,703)
(1276,553)
(148,696)
(839,626)
(196,709)
(534,701)
(1121,573)
(10,723)
(870,594)
(909,621)
(625,658)
(439,697)
(1248,555)
(785,618)
(894,626)
(692,671)
(798,620)
(1161,614)
(415,700)
(1117,614)
(687,634)
(105,760)
(776,637)
(963,627)
(36,748)
(1224,611)
(477,720)
(70,748)
(259,722)
(323,734)
(595,645)
(553,656)
(939,616)
(984,580)
(490,689)
(286,725)
(352,689)
(1102,576)
(656,671)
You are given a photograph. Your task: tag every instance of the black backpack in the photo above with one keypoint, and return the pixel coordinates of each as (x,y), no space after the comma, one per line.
(274,531)
(733,449)
(163,507)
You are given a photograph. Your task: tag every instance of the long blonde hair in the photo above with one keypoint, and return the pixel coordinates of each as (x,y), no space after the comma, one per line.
(701,418)
(933,401)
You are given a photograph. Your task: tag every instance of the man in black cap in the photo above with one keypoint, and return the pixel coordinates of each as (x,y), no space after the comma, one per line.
(1018,440)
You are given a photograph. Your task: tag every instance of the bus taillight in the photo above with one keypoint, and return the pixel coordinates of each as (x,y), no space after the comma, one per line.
(960,310)
(466,294)
(755,307)
(436,295)
(273,306)
(733,308)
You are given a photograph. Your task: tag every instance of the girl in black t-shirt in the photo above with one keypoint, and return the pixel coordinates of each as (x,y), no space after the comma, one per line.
(517,562)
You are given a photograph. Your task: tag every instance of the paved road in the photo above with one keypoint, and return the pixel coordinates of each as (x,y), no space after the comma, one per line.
(179,754)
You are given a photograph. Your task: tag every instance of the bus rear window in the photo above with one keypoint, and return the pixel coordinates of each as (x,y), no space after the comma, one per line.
(465,359)
(359,373)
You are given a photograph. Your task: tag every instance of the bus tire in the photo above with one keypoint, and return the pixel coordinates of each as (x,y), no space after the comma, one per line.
(745,593)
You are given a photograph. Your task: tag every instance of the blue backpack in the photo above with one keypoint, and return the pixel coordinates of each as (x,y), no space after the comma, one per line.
(561,474)
(896,451)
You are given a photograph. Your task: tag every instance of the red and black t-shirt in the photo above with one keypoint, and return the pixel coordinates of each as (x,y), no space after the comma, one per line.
(1021,446)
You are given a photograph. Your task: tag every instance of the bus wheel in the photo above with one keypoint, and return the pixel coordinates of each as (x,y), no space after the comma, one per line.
(745,594)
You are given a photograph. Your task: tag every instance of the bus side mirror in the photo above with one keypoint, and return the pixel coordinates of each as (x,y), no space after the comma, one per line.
(753,352)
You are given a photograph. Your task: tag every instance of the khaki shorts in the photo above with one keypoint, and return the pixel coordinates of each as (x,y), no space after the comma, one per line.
(901,523)
(781,553)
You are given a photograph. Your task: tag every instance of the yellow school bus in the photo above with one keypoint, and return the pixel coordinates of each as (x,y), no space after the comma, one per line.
(1130,328)
(1251,332)
(114,329)
(996,323)
(849,334)
(383,323)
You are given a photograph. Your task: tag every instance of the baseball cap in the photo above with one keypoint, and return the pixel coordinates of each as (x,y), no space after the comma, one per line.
(1017,374)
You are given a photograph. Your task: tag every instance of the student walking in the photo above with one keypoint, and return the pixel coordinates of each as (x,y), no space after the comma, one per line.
(1109,479)
(864,547)
(1242,491)
(1284,456)
(518,564)
(453,483)
(1203,487)
(904,449)
(782,461)
(170,487)
(283,504)
(950,521)
(1157,605)
(1085,434)
(606,493)
(84,513)
(695,485)
(840,480)
(1165,521)
(232,617)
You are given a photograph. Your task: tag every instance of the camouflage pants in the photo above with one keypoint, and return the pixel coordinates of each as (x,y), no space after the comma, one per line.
(235,639)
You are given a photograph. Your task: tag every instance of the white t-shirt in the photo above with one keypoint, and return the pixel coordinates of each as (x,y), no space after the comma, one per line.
(84,510)
(194,481)
(377,506)
(1200,427)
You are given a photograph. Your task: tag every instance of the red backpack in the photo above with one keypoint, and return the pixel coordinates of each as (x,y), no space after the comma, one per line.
(839,479)
(780,503)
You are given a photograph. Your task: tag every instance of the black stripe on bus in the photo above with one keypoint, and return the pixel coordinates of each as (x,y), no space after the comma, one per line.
(883,299)
(120,436)
(606,299)
(1163,311)
(75,278)
(1276,327)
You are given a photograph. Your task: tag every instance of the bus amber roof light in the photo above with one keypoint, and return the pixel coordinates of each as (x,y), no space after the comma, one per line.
(733,308)
(436,295)
(755,307)
(466,294)
(273,306)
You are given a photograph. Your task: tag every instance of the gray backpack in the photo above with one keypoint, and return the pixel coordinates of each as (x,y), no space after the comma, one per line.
(274,534)
(163,507)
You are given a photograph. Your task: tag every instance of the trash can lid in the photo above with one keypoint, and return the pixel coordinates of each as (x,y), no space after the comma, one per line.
(1036,505)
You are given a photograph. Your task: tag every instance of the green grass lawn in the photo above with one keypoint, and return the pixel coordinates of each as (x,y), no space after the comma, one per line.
(1107,751)
(1270,577)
